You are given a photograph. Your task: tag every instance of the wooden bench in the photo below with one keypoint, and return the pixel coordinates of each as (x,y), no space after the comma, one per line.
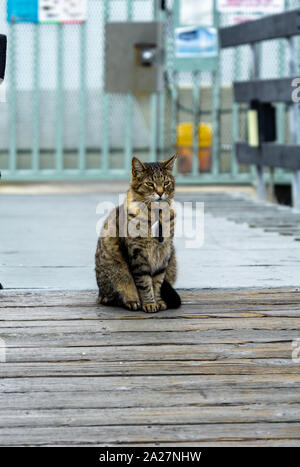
(269,153)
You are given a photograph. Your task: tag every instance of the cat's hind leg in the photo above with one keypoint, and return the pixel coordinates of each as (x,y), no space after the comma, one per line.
(168,294)
(115,282)
(158,279)
(118,290)
(171,271)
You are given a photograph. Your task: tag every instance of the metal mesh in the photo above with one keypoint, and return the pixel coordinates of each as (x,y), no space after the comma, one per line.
(59,118)
(236,66)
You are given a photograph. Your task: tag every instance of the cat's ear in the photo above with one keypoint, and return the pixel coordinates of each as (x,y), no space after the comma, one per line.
(137,166)
(169,164)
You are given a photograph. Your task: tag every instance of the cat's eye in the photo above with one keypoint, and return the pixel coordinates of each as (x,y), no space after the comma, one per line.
(166,183)
(150,184)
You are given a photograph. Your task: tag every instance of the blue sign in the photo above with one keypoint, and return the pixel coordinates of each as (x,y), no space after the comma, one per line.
(196,42)
(22,11)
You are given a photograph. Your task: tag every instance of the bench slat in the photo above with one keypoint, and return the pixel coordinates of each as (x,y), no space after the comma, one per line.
(282,25)
(285,156)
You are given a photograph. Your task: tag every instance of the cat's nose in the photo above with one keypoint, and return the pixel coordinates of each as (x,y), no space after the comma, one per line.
(160,191)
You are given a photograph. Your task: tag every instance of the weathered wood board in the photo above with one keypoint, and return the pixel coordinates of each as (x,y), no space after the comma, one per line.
(217,372)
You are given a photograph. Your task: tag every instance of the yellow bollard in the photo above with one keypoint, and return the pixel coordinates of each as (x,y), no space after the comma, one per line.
(185,147)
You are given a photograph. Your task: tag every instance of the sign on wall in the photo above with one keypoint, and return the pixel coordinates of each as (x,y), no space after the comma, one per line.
(22,11)
(62,11)
(47,11)
(248,6)
(195,35)
(196,42)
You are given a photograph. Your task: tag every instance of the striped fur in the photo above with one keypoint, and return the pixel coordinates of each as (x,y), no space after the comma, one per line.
(132,267)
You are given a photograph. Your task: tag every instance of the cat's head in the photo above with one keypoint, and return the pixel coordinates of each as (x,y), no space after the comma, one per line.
(153,181)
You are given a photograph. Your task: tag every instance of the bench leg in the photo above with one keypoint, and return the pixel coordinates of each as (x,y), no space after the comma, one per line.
(260,183)
(272,185)
(296,190)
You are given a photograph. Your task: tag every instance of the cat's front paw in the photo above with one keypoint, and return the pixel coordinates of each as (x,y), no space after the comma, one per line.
(150,307)
(162,305)
(133,306)
(102,300)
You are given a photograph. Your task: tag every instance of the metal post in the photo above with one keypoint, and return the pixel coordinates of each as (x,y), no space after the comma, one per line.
(294,122)
(280,107)
(272,185)
(59,163)
(153,125)
(36,101)
(12,100)
(216,89)
(128,110)
(155,106)
(280,113)
(261,190)
(161,108)
(105,109)
(235,112)
(196,106)
(215,121)
(83,92)
(174,112)
(161,133)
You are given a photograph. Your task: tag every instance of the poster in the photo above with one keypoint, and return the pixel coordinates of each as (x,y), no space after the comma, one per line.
(22,11)
(251,6)
(196,42)
(62,11)
(47,11)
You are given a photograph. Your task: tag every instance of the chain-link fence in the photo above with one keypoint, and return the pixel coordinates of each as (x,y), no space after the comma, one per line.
(236,65)
(58,123)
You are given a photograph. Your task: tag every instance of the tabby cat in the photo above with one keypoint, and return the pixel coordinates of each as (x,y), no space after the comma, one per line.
(136,266)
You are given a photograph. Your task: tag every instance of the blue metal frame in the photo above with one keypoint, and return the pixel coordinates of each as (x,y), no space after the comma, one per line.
(161,124)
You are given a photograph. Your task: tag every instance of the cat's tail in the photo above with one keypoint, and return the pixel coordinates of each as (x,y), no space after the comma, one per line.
(169,295)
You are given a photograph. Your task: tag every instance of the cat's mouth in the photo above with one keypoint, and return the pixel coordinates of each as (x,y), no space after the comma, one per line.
(159,199)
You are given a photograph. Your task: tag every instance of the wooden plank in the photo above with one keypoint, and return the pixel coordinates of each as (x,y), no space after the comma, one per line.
(219,309)
(189,415)
(143,353)
(36,337)
(185,312)
(219,443)
(222,361)
(277,26)
(177,397)
(248,155)
(148,433)
(156,383)
(285,156)
(83,299)
(138,368)
(264,90)
(36,299)
(141,325)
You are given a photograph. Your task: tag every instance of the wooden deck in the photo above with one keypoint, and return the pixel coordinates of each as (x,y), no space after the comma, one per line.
(219,371)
